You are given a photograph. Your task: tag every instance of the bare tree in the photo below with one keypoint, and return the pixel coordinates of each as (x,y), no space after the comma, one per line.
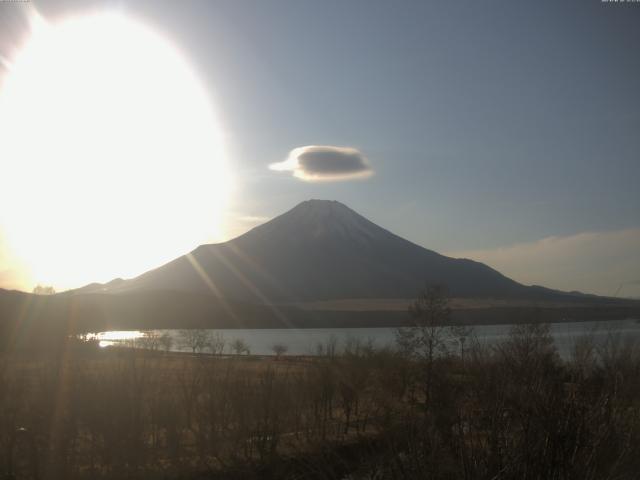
(329,348)
(149,341)
(461,334)
(166,340)
(44,290)
(196,340)
(217,343)
(239,346)
(279,349)
(430,313)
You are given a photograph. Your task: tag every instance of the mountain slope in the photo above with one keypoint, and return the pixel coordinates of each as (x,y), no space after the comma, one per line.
(320,250)
(317,251)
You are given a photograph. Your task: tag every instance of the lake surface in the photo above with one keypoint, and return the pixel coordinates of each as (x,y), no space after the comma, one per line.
(306,341)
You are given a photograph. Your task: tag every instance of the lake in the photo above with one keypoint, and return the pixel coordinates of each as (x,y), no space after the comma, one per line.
(306,341)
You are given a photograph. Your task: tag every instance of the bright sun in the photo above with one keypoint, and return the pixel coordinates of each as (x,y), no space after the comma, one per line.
(111,156)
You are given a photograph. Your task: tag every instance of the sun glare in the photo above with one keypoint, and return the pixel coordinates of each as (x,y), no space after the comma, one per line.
(112,161)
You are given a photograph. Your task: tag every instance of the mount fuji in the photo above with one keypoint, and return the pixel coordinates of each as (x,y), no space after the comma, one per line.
(320,250)
(318,265)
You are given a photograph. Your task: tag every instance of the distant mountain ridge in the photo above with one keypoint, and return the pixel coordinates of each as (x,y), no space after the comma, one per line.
(318,265)
(320,250)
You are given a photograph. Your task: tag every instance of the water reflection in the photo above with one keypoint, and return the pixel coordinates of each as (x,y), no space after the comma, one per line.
(307,341)
(114,337)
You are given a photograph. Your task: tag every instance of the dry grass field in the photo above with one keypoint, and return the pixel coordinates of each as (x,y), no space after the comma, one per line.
(513,411)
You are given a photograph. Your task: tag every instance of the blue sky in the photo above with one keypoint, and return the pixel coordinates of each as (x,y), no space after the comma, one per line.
(489,124)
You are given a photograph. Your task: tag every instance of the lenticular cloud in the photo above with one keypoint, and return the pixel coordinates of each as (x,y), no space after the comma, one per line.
(315,163)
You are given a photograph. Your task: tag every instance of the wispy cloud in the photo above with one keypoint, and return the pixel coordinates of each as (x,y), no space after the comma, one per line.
(593,262)
(253,220)
(317,163)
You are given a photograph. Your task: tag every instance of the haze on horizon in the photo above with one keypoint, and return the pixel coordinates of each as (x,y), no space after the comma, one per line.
(504,134)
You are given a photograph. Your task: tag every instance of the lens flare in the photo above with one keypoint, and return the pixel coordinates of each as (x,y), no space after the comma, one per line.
(112,158)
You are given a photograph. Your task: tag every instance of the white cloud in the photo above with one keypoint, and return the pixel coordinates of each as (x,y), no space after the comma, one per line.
(317,163)
(591,262)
